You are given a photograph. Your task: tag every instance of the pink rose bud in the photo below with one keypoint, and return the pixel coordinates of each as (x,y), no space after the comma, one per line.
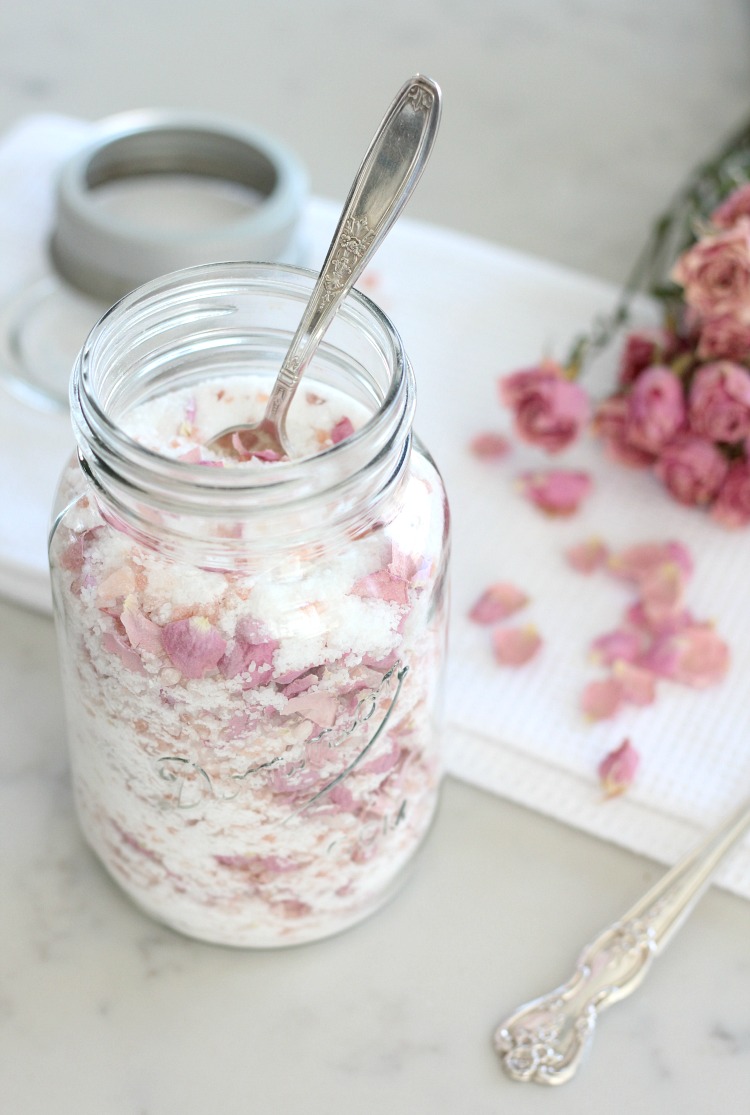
(732,208)
(556,492)
(642,350)
(497,603)
(618,769)
(656,409)
(724,337)
(720,402)
(715,273)
(549,410)
(732,505)
(692,469)
(515,646)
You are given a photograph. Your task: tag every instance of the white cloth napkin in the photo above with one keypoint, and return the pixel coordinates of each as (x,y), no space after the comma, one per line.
(469,311)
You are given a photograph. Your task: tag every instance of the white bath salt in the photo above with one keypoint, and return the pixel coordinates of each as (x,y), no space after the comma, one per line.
(254,752)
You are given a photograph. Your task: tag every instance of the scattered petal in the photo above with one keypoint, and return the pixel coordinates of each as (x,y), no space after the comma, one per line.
(638,561)
(194,646)
(490,446)
(618,769)
(130,658)
(587,557)
(601,699)
(637,683)
(621,645)
(702,657)
(556,492)
(497,603)
(515,646)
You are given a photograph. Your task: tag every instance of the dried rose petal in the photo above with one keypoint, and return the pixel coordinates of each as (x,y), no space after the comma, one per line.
(587,557)
(490,446)
(342,430)
(636,562)
(515,646)
(194,646)
(497,603)
(130,658)
(702,657)
(623,644)
(601,699)
(142,632)
(382,586)
(618,769)
(638,685)
(661,593)
(318,707)
(118,584)
(556,492)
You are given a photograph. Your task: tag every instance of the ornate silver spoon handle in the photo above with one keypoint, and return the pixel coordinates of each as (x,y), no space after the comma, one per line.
(545,1040)
(385,181)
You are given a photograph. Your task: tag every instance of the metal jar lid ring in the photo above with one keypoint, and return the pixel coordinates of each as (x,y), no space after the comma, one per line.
(106,256)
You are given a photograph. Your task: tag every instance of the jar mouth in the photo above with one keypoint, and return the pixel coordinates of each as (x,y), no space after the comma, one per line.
(166,334)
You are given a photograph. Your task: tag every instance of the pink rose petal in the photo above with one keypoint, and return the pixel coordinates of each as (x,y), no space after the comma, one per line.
(587,557)
(490,446)
(142,632)
(618,769)
(194,646)
(636,562)
(130,658)
(622,644)
(497,603)
(702,657)
(638,685)
(557,492)
(342,430)
(515,646)
(382,586)
(602,699)
(318,707)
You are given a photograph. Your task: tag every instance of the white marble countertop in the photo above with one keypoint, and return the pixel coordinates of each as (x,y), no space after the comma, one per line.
(566,127)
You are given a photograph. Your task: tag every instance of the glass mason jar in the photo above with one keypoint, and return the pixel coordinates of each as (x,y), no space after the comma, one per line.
(252,653)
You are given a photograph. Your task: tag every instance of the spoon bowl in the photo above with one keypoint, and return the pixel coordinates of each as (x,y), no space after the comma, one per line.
(389,172)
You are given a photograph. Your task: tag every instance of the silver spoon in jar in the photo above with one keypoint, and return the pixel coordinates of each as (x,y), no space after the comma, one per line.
(383,184)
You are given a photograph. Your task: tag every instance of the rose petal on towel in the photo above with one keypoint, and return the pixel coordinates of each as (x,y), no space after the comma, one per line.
(556,492)
(588,556)
(623,644)
(618,769)
(194,646)
(638,561)
(662,591)
(601,699)
(638,684)
(702,657)
(497,603)
(490,446)
(515,646)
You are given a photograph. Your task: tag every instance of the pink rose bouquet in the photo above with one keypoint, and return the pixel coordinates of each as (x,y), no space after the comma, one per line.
(681,405)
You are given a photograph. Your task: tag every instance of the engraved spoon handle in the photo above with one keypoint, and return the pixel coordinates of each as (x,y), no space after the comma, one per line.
(545,1040)
(383,184)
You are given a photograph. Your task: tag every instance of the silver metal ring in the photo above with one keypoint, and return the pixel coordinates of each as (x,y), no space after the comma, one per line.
(106,256)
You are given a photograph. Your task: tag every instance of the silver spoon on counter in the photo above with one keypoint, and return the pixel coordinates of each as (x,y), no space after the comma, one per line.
(546,1039)
(383,184)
